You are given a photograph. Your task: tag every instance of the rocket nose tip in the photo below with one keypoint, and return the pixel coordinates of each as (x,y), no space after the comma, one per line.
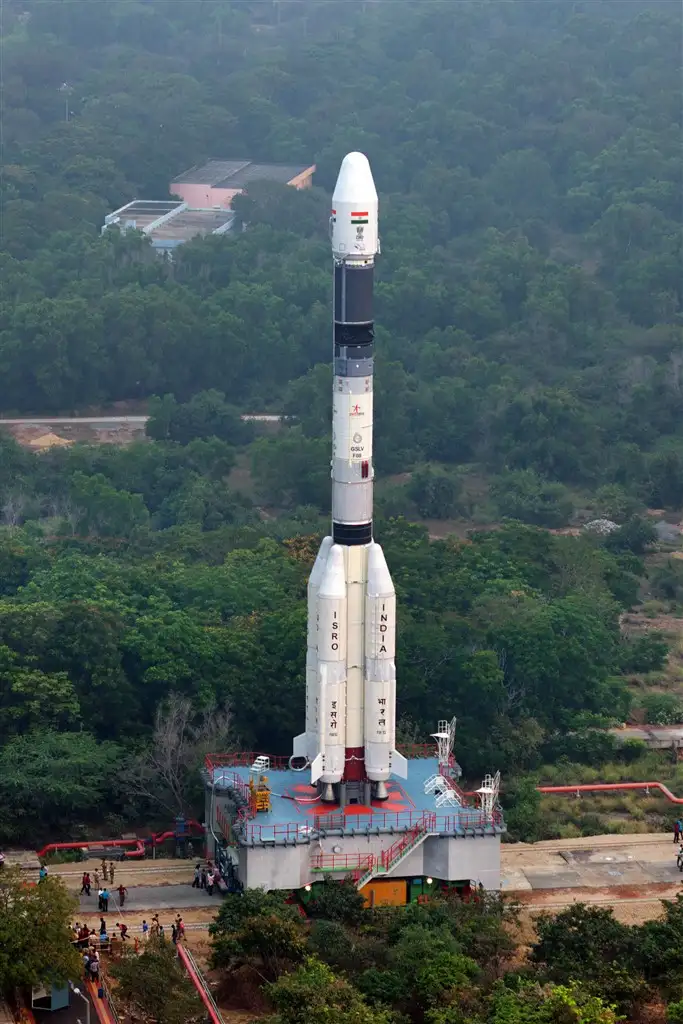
(356,159)
(355,180)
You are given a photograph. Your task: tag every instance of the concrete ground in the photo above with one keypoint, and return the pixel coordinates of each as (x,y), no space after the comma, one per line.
(594,862)
(632,874)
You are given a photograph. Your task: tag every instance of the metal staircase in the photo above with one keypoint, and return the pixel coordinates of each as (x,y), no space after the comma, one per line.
(391,858)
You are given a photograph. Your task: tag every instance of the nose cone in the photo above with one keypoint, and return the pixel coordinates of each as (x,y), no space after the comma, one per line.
(355,182)
(333,584)
(354,230)
(379,578)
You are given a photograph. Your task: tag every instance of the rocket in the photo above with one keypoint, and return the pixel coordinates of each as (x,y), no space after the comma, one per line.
(349,742)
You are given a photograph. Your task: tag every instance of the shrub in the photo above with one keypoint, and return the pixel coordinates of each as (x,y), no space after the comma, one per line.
(663,708)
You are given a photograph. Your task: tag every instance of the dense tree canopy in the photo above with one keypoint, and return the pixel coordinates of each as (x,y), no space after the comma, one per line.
(448,961)
(528,160)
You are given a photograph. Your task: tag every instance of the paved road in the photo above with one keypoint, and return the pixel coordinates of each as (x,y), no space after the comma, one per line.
(101,421)
(105,421)
(154,897)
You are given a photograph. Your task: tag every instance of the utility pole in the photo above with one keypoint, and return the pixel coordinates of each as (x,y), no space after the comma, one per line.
(66,90)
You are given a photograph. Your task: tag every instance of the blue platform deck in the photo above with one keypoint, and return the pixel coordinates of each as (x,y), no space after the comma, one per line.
(298,813)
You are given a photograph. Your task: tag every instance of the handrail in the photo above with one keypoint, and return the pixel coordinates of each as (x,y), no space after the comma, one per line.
(445,773)
(244,759)
(202,988)
(605,787)
(338,861)
(104,1011)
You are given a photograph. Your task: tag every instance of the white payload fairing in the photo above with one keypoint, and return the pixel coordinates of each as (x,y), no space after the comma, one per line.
(350,734)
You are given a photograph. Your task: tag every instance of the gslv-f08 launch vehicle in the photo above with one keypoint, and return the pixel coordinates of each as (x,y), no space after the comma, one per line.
(350,670)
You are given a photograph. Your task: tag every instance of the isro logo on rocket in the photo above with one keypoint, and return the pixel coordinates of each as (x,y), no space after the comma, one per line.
(356,410)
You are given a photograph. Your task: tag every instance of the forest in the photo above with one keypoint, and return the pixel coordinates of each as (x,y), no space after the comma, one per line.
(529,360)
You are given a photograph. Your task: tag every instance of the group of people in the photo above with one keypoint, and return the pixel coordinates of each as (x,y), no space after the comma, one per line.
(92,942)
(103,894)
(206,877)
(106,872)
(157,929)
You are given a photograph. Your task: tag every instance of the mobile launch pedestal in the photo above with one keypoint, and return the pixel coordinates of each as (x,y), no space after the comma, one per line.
(347,801)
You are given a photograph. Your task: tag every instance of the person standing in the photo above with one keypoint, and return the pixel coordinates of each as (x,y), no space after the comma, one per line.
(145,931)
(123,892)
(105,900)
(209,883)
(197,877)
(111,872)
(203,879)
(42,874)
(174,934)
(103,865)
(180,924)
(96,876)
(95,968)
(100,894)
(678,829)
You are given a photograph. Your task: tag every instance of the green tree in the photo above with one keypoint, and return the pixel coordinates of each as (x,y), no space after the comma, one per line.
(27,911)
(435,492)
(337,901)
(312,994)
(155,984)
(105,511)
(31,699)
(292,469)
(660,950)
(524,495)
(257,928)
(48,780)
(207,414)
(589,945)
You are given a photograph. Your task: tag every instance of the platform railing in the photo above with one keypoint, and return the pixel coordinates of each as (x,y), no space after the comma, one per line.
(339,861)
(466,819)
(244,759)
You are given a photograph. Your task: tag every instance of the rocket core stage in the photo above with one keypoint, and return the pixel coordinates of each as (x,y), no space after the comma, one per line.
(349,740)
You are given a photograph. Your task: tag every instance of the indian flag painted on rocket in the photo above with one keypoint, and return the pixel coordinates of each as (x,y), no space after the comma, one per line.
(359,216)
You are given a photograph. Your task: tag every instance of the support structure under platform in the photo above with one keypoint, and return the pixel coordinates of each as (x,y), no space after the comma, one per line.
(412,838)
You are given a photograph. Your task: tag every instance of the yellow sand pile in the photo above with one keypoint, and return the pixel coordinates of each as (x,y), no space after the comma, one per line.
(46,441)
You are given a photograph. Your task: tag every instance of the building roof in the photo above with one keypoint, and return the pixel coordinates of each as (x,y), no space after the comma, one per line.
(142,212)
(238,173)
(168,223)
(189,223)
